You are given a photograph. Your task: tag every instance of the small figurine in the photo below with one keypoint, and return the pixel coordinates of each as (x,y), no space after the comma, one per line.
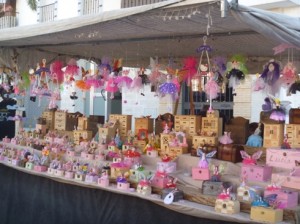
(250,160)
(285,144)
(203,163)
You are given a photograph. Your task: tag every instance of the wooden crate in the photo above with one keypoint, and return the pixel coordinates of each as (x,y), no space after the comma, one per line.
(66,133)
(273,135)
(49,116)
(230,152)
(89,123)
(293,133)
(143,123)
(162,120)
(82,135)
(124,123)
(212,125)
(175,151)
(64,121)
(190,124)
(294,116)
(199,140)
(108,132)
(239,129)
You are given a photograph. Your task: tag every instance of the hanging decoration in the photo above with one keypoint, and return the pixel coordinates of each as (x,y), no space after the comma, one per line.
(236,70)
(56,71)
(268,78)
(190,69)
(170,87)
(72,69)
(211,88)
(156,77)
(40,82)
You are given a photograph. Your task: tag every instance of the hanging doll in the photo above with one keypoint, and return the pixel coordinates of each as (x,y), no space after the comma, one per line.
(104,68)
(56,72)
(169,87)
(288,75)
(212,89)
(236,70)
(270,76)
(55,96)
(295,86)
(124,81)
(111,85)
(137,85)
(155,77)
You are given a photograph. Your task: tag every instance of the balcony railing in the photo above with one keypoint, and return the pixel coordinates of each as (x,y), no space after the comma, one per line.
(8,21)
(91,6)
(132,3)
(47,13)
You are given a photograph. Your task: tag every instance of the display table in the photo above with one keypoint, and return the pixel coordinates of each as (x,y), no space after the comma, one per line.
(35,195)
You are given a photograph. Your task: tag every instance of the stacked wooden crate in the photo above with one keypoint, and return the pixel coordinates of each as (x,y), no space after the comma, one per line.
(64,121)
(49,116)
(124,123)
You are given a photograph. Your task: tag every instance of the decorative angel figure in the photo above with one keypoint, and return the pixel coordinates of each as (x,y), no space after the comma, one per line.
(204,162)
(251,160)
(216,171)
(225,193)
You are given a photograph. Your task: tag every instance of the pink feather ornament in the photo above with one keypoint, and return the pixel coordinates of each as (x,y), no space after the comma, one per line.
(123,81)
(190,65)
(212,88)
(96,83)
(137,84)
(56,72)
(288,75)
(72,67)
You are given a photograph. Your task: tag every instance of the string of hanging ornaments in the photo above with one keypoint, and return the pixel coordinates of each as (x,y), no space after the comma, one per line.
(211,88)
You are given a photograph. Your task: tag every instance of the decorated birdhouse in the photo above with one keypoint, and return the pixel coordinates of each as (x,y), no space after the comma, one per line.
(144,188)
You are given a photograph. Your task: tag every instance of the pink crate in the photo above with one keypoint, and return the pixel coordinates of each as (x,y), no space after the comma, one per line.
(103,182)
(91,178)
(159,181)
(200,173)
(69,174)
(123,186)
(282,158)
(40,168)
(256,172)
(287,179)
(287,198)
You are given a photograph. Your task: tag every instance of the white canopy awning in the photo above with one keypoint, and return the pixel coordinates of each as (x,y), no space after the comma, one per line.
(170,28)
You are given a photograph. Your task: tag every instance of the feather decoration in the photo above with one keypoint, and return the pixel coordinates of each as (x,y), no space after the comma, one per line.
(288,75)
(96,83)
(25,80)
(82,85)
(72,67)
(105,68)
(56,72)
(219,64)
(117,65)
(190,65)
